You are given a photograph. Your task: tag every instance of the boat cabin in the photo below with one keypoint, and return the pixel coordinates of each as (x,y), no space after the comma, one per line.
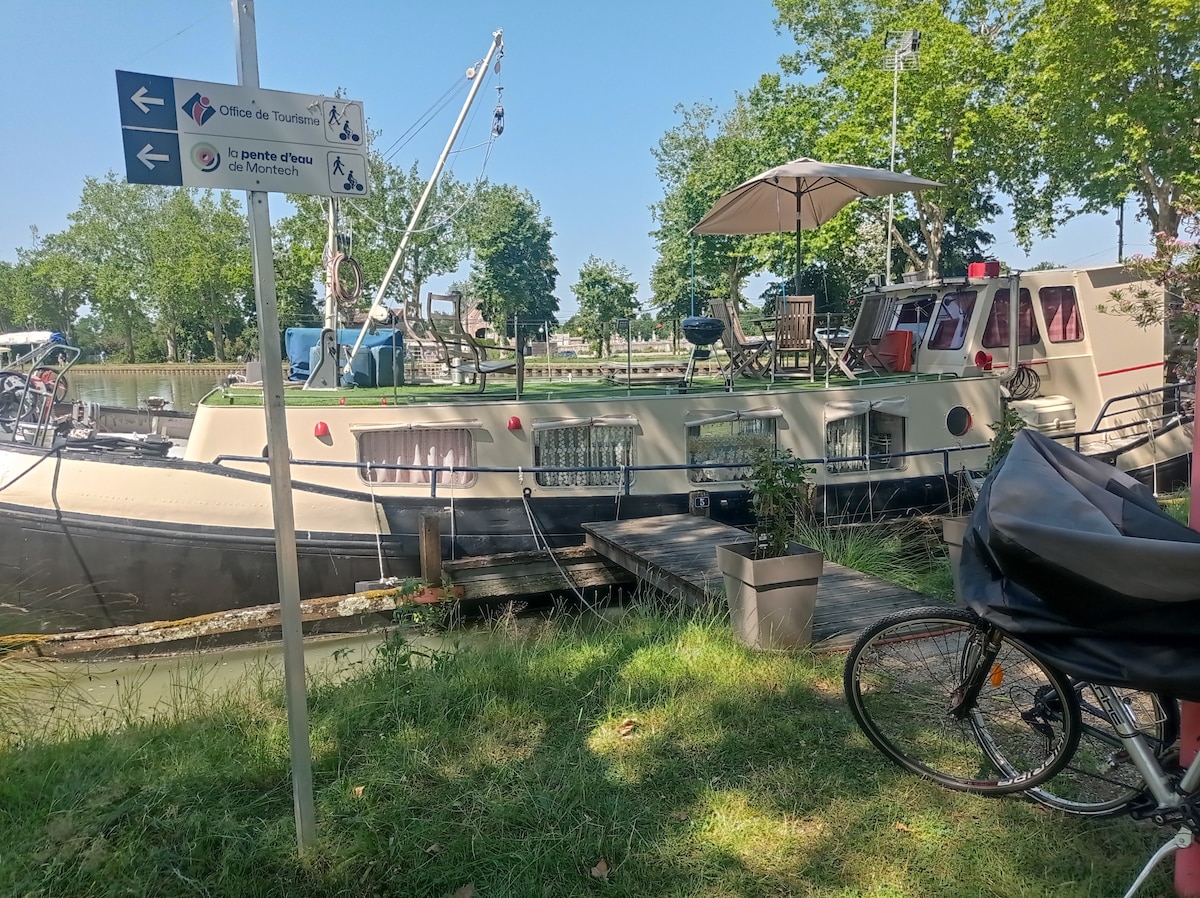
(961,327)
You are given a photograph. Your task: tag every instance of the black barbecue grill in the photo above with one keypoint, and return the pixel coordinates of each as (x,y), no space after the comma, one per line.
(702,333)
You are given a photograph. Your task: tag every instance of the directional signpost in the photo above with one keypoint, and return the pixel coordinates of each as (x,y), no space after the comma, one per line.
(181,133)
(195,134)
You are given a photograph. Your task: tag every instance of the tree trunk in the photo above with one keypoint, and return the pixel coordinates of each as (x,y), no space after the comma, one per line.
(129,350)
(218,339)
(172,346)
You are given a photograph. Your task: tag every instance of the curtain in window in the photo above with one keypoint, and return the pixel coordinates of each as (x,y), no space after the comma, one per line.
(1062,314)
(847,429)
(416,445)
(599,441)
(727,437)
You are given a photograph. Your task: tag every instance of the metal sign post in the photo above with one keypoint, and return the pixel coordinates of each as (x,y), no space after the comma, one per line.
(266,305)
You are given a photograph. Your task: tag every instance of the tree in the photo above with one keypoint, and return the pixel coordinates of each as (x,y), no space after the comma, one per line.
(109,233)
(47,287)
(604,293)
(697,161)
(377,224)
(959,122)
(1117,110)
(513,267)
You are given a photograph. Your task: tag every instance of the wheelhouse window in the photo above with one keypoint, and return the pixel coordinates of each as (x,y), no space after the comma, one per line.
(953,319)
(720,438)
(855,429)
(599,442)
(995,333)
(1061,312)
(447,444)
(914,316)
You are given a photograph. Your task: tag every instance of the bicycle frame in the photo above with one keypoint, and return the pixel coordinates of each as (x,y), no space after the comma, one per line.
(1173,800)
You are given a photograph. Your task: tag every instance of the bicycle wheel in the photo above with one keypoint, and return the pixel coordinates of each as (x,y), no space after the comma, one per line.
(1100,780)
(907,671)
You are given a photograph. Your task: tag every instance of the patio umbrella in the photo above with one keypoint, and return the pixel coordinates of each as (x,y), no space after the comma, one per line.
(803,193)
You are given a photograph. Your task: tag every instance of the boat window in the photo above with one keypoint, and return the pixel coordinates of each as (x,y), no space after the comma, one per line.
(727,437)
(1061,311)
(451,447)
(953,318)
(995,333)
(915,315)
(861,428)
(599,442)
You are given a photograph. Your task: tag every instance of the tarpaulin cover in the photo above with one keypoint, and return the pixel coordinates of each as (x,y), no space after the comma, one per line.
(299,340)
(1078,560)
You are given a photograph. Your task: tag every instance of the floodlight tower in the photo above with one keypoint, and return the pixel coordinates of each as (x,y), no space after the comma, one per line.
(902,51)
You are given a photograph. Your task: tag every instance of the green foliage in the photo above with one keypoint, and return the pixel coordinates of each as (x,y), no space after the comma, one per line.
(513,266)
(604,293)
(1004,432)
(1116,112)
(781,494)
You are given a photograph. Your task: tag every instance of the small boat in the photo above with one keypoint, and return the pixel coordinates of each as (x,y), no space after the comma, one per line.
(97,531)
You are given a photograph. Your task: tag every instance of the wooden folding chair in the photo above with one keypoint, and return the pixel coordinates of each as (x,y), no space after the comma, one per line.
(874,318)
(459,352)
(748,356)
(794,326)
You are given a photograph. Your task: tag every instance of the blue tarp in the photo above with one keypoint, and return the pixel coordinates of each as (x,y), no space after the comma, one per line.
(298,341)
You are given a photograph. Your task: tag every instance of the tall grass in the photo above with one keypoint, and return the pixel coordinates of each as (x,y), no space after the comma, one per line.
(646,755)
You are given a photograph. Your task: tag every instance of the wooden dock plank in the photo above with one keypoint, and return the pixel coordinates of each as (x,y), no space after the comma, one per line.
(678,554)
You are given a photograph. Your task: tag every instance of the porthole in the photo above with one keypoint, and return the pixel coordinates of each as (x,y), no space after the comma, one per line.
(958,421)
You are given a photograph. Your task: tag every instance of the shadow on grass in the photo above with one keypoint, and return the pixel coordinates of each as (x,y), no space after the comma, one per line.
(687,764)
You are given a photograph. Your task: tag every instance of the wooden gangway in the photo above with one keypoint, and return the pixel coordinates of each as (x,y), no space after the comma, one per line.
(677,554)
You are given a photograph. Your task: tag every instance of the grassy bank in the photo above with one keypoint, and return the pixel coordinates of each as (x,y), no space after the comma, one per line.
(646,754)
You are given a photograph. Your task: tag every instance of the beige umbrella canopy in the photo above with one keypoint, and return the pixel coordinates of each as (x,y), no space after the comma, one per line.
(803,193)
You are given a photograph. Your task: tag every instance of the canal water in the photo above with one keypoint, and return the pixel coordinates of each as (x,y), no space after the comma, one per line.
(128,389)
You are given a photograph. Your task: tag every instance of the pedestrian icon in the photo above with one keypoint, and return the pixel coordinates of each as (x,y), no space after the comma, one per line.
(347,173)
(343,122)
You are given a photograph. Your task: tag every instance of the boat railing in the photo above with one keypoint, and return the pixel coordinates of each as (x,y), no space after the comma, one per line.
(30,403)
(626,473)
(1145,411)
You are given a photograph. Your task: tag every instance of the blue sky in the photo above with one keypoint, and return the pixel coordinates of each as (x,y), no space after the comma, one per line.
(588,91)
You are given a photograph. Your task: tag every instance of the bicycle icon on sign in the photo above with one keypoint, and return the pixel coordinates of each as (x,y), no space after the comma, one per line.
(352,183)
(348,134)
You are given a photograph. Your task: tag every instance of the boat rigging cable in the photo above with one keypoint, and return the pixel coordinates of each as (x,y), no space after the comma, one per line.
(385,282)
(497,130)
(540,541)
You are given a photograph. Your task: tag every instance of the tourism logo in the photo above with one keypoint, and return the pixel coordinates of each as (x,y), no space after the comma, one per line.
(205,157)
(199,108)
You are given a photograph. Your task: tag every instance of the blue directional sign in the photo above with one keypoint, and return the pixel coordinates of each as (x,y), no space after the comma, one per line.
(152,157)
(147,101)
(199,134)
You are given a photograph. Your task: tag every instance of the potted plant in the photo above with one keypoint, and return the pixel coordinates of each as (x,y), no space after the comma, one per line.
(771,580)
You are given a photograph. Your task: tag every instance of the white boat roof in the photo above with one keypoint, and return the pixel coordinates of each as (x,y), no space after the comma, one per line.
(21,338)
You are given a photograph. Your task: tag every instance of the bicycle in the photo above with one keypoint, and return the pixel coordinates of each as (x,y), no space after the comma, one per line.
(955,699)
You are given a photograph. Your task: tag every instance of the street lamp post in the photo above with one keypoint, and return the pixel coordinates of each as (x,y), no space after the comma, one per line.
(901,52)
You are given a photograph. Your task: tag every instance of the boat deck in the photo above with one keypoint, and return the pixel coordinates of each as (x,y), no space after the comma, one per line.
(659,382)
(677,555)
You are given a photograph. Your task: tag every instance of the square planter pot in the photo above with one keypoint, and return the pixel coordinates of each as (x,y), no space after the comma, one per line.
(954,528)
(771,600)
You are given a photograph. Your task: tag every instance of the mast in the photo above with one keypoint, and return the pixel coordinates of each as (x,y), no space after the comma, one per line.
(497,43)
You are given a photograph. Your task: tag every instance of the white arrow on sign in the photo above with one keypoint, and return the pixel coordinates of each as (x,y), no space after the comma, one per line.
(143,102)
(148,159)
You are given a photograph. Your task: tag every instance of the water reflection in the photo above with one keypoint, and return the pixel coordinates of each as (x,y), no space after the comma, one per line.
(131,389)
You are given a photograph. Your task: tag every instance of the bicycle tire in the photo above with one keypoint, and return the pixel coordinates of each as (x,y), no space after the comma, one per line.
(1100,780)
(902,676)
